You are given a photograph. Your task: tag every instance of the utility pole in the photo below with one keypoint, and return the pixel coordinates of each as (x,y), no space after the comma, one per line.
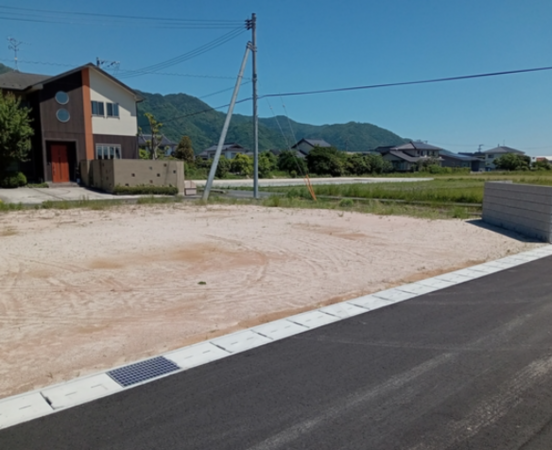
(252,25)
(14,45)
(225,127)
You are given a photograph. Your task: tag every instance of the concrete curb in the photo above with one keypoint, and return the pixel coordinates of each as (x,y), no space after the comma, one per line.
(48,400)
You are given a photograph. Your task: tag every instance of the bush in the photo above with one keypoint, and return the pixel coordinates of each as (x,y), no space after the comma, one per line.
(13,180)
(346,203)
(145,190)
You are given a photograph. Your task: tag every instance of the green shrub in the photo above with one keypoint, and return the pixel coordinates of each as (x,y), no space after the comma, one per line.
(13,180)
(346,203)
(145,190)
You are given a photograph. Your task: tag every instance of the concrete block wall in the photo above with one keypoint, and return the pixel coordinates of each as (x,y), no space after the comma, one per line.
(108,173)
(524,208)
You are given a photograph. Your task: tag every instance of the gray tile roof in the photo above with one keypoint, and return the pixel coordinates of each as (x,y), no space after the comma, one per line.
(504,149)
(317,142)
(402,155)
(447,154)
(416,145)
(19,81)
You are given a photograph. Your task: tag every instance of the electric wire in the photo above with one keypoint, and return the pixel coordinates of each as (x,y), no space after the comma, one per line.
(85,18)
(186,56)
(406,83)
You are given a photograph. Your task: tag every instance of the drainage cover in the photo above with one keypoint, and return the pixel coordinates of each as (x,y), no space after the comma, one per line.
(142,371)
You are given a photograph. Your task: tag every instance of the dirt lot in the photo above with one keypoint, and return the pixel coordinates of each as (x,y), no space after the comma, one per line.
(82,291)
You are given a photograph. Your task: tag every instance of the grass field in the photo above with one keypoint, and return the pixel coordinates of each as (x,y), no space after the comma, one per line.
(466,189)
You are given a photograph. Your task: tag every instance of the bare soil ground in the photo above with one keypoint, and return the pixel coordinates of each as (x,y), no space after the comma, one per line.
(82,291)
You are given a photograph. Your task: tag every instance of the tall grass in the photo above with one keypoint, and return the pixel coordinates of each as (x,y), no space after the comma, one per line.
(439,191)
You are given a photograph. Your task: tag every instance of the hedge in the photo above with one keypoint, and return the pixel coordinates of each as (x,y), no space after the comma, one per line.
(145,190)
(12,180)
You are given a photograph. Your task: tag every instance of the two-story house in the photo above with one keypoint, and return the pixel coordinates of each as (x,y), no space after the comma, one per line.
(406,157)
(82,114)
(497,152)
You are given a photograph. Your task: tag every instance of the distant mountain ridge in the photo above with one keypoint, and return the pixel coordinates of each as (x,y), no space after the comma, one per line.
(183,114)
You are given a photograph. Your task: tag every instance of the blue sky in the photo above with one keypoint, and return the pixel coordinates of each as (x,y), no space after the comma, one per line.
(307,44)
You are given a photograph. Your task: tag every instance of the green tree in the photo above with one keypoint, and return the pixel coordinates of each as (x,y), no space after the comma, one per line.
(378,164)
(542,164)
(223,166)
(15,131)
(512,161)
(288,161)
(184,150)
(242,165)
(267,163)
(357,164)
(152,145)
(326,161)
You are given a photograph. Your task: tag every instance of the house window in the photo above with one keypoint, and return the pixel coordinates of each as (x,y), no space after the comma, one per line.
(108,151)
(63,115)
(97,108)
(112,109)
(62,97)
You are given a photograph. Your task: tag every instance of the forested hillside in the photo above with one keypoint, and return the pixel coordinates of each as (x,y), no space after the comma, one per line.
(4,69)
(183,114)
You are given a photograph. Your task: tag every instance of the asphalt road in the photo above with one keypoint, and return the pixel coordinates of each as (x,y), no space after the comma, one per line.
(469,367)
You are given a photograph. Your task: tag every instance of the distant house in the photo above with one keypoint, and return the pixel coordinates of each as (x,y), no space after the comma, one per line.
(79,115)
(166,144)
(228,150)
(405,158)
(454,160)
(497,152)
(541,158)
(304,146)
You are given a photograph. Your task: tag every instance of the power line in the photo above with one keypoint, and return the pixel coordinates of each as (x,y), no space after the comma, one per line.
(69,17)
(406,83)
(173,74)
(186,56)
(374,86)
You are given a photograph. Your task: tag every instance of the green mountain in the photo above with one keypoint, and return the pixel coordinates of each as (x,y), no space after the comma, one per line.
(4,69)
(183,114)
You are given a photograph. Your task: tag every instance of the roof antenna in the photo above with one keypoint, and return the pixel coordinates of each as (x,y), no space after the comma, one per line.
(14,45)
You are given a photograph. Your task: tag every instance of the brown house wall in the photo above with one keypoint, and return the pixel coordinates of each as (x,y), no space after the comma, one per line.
(55,131)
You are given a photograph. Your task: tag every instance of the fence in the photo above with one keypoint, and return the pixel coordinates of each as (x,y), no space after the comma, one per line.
(526,209)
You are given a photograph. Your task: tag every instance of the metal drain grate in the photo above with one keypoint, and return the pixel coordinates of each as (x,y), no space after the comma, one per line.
(142,371)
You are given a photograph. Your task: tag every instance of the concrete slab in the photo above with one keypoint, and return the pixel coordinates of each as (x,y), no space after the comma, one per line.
(370,302)
(394,295)
(343,310)
(80,391)
(19,409)
(313,319)
(300,182)
(196,355)
(279,329)
(37,196)
(240,341)
(418,288)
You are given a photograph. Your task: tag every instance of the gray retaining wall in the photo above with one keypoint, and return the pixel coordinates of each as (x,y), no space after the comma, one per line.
(524,208)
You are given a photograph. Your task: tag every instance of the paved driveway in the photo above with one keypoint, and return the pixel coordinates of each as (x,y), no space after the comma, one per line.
(36,196)
(300,182)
